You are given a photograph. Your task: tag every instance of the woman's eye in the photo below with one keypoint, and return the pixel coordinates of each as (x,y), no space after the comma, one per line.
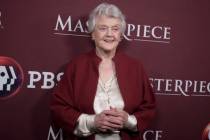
(102,28)
(115,29)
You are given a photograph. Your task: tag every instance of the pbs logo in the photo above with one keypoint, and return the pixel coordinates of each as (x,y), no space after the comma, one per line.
(11,77)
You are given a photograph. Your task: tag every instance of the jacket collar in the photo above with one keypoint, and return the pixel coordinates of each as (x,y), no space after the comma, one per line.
(96,59)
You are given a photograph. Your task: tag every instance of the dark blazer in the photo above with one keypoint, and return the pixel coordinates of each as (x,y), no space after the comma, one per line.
(75,93)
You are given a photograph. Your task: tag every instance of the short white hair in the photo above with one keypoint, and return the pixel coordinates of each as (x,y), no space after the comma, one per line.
(106,9)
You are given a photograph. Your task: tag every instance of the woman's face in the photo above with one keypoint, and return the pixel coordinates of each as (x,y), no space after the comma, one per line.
(107,33)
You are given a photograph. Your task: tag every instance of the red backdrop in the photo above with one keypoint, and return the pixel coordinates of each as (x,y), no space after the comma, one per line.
(171,38)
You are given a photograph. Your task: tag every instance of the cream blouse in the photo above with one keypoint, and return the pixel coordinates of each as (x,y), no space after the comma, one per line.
(107,95)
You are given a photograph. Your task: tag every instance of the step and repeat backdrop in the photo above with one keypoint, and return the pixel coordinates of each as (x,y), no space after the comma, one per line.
(171,38)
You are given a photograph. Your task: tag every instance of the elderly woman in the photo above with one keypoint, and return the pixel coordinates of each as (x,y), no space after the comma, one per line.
(104,94)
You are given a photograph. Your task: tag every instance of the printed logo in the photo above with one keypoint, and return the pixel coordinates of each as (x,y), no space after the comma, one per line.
(180,87)
(152,135)
(66,25)
(206,133)
(55,134)
(11,77)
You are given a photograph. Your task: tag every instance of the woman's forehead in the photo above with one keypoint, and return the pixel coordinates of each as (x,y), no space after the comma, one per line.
(106,20)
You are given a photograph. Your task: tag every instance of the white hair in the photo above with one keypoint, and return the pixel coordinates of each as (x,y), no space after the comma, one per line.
(105,9)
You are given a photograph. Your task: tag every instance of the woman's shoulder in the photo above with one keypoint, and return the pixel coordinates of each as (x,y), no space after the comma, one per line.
(78,61)
(81,58)
(130,60)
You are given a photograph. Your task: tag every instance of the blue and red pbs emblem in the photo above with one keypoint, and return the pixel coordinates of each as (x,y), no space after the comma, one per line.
(11,77)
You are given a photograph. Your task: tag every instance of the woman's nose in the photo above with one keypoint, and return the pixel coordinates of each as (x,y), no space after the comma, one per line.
(109,32)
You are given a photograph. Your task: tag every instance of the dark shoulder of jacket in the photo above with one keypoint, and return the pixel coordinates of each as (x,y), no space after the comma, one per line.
(81,59)
(130,60)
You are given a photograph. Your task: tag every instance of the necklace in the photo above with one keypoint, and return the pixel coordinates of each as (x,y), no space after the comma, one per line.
(106,86)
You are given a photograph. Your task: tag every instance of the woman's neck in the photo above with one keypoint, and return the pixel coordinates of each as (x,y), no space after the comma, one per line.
(106,67)
(105,55)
